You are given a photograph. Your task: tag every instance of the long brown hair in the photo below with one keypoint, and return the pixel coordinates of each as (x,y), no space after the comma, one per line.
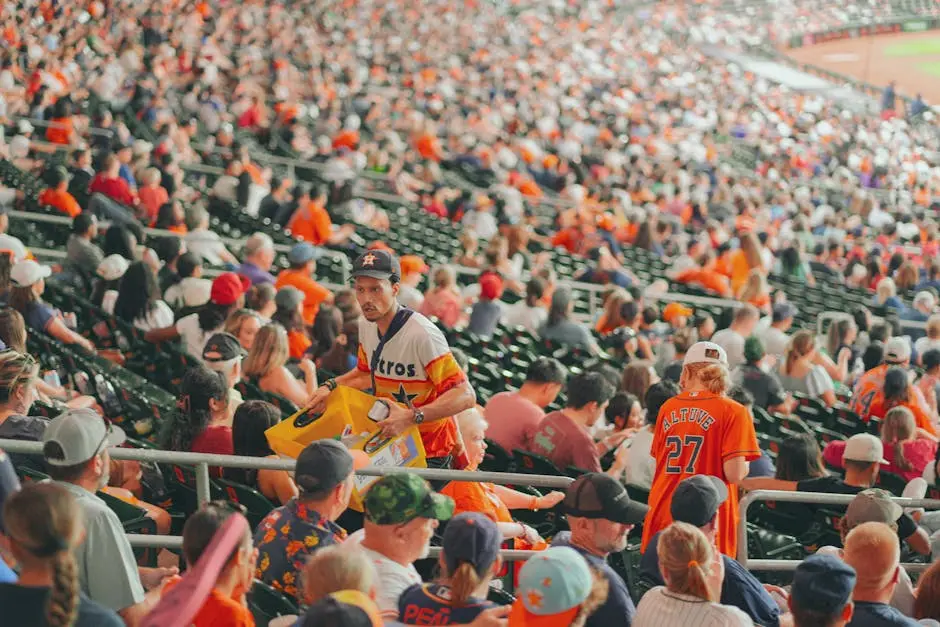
(268,352)
(13,329)
(750,246)
(637,377)
(43,520)
(685,558)
(927,600)
(801,344)
(898,427)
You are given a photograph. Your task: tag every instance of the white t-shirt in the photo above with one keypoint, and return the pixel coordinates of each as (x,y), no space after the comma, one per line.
(925,344)
(107,302)
(641,465)
(393,579)
(521,315)
(160,317)
(207,245)
(190,292)
(661,608)
(194,338)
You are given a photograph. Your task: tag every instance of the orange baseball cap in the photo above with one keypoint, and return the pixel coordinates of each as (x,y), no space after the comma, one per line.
(412,264)
(675,310)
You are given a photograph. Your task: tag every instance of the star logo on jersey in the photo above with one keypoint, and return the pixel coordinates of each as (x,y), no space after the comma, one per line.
(403,397)
(369,260)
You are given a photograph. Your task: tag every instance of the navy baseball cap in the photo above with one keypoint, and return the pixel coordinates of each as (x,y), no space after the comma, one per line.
(377,264)
(697,498)
(822,583)
(473,538)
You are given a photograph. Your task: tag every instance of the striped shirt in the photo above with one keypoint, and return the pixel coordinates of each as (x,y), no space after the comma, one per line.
(661,608)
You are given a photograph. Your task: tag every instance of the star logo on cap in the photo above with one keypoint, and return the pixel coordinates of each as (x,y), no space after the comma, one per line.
(402,395)
(547,582)
(535,599)
(369,260)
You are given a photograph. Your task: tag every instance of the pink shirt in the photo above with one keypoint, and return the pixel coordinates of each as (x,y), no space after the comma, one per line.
(919,453)
(565,443)
(513,420)
(443,304)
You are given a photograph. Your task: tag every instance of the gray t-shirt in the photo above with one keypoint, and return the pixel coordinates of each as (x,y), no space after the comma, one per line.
(568,332)
(107,570)
(82,254)
(484,317)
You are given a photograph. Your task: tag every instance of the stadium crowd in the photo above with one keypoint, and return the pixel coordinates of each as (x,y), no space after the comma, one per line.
(539,131)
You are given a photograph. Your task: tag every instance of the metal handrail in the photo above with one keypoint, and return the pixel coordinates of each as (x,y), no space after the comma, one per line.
(816,498)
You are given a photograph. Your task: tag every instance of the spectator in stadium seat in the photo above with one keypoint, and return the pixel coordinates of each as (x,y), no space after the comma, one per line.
(931,341)
(312,223)
(168,251)
(110,272)
(876,506)
(277,199)
(171,217)
(201,423)
(695,502)
(18,377)
(872,549)
(303,265)
(42,528)
(244,324)
(413,270)
(260,298)
(637,378)
(258,257)
(927,602)
(529,313)
(564,436)
(227,295)
(57,195)
(469,561)
(514,417)
(862,457)
(693,572)
(868,395)
(291,533)
(266,366)
(488,310)
(775,336)
(601,515)
(226,603)
(75,448)
(110,183)
(251,420)
(803,372)
(898,392)
(204,242)
(907,452)
(638,465)
(28,279)
(732,338)
(192,290)
(81,253)
(821,593)
(138,299)
(763,386)
(930,380)
(81,173)
(494,501)
(401,513)
(561,329)
(443,300)
(152,196)
(223,353)
(289,314)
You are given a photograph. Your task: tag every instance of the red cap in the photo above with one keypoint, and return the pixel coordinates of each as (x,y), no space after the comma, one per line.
(491,286)
(227,287)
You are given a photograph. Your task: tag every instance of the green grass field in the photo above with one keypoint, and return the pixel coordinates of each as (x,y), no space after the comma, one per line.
(931,67)
(914,48)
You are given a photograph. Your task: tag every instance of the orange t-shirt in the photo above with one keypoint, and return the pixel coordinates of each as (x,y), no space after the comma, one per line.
(61,132)
(709,279)
(311,224)
(218,610)
(63,201)
(696,433)
(474,496)
(314,293)
(298,343)
(740,269)
(868,399)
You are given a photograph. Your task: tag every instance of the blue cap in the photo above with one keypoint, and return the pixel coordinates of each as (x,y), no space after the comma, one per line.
(302,253)
(822,583)
(555,581)
(473,538)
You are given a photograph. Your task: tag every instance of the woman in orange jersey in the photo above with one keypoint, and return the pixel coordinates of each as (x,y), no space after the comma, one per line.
(745,259)
(701,432)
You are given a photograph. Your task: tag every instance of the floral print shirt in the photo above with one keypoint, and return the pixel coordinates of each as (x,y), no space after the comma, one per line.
(285,538)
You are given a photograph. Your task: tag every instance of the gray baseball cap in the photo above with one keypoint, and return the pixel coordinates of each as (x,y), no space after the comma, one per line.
(77,436)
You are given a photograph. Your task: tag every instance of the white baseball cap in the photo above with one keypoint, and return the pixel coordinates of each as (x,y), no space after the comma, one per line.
(705,353)
(897,350)
(78,435)
(27,272)
(864,447)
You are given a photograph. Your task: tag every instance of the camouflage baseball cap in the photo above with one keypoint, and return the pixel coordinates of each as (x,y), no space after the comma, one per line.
(402,497)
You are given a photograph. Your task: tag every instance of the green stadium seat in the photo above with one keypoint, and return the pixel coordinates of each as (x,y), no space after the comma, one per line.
(266,603)
(497,459)
(257,506)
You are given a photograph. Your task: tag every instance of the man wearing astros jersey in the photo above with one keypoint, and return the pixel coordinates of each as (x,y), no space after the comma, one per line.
(701,431)
(405,359)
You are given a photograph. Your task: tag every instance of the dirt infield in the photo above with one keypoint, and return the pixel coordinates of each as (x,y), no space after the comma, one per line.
(913,60)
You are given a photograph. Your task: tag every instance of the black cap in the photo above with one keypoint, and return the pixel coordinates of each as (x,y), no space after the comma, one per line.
(697,498)
(596,495)
(222,347)
(322,465)
(332,612)
(822,583)
(378,264)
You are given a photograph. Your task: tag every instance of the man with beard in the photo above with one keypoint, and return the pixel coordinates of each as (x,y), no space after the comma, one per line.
(601,514)
(401,514)
(75,447)
(404,359)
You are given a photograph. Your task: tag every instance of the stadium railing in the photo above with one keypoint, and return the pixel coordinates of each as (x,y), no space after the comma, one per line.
(202,461)
(805,498)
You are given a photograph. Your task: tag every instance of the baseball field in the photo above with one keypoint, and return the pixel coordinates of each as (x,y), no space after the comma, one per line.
(913,60)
